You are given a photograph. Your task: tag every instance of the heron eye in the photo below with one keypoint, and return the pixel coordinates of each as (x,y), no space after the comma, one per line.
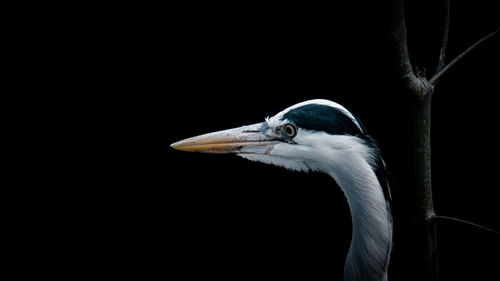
(290,130)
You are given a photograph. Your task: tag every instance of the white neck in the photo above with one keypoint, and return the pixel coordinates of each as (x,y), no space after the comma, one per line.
(370,248)
(345,159)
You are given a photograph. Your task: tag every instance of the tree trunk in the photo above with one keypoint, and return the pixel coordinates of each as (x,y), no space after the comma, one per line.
(419,233)
(421,206)
(421,242)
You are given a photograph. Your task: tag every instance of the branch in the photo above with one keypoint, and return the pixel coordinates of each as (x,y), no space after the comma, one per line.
(434,79)
(444,43)
(417,85)
(446,218)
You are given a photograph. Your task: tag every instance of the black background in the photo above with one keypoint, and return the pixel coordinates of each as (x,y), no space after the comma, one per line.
(168,73)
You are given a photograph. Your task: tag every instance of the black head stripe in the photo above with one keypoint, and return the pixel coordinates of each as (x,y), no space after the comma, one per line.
(317,117)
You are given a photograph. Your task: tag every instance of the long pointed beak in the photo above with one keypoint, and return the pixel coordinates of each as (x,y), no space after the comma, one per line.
(246,139)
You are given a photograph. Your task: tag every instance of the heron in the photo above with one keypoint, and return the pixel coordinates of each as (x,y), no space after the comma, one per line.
(322,136)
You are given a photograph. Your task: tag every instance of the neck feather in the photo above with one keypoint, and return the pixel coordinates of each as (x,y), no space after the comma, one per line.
(370,248)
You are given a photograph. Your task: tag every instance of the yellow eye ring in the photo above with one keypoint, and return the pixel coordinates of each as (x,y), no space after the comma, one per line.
(290,130)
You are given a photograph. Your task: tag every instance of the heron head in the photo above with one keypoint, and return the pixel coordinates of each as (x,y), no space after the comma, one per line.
(301,137)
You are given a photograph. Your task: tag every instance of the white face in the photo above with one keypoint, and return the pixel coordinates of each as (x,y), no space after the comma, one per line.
(305,150)
(310,151)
